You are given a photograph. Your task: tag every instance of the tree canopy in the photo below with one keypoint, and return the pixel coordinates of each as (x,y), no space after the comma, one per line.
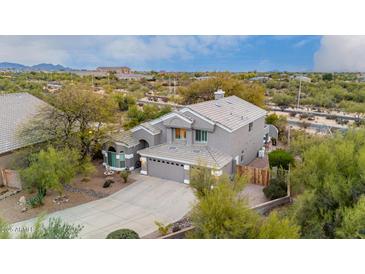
(222,213)
(203,90)
(331,177)
(51,169)
(78,119)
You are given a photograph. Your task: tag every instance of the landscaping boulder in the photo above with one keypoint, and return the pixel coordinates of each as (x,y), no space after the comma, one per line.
(108,183)
(22,200)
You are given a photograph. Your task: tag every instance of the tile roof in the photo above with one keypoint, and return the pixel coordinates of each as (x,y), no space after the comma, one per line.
(189,154)
(231,112)
(15,110)
(125,137)
(150,127)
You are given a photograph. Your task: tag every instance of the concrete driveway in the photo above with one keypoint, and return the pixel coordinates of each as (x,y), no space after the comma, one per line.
(137,207)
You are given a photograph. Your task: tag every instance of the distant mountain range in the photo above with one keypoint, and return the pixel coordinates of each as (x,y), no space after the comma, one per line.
(39,67)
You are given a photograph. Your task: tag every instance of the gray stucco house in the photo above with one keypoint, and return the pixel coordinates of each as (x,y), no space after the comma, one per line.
(219,134)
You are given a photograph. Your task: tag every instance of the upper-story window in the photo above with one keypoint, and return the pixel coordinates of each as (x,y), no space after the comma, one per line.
(180,133)
(250,126)
(201,136)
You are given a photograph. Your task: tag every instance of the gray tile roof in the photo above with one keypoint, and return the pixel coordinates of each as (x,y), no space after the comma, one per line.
(125,137)
(231,112)
(189,154)
(15,110)
(150,127)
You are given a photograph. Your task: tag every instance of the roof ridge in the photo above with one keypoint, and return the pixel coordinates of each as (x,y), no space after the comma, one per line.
(216,161)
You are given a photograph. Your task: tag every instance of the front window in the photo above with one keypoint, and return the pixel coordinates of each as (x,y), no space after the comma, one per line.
(180,133)
(201,136)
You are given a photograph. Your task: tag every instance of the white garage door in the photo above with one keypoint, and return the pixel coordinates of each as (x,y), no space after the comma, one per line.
(166,169)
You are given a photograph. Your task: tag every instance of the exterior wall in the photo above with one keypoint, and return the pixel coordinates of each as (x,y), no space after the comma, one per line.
(176,122)
(228,169)
(248,141)
(5,161)
(162,137)
(142,134)
(240,140)
(200,123)
(131,156)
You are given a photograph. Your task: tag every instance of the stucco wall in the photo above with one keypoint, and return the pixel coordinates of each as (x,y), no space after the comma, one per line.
(200,123)
(5,161)
(240,140)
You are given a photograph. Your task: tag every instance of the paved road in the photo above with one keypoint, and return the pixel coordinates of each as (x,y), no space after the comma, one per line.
(137,207)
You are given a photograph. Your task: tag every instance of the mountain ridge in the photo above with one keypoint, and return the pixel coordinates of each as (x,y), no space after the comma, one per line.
(37,67)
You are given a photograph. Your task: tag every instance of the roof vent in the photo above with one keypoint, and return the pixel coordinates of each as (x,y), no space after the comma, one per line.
(172,148)
(196,151)
(219,94)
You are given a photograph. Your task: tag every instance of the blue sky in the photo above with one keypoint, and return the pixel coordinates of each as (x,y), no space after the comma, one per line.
(190,53)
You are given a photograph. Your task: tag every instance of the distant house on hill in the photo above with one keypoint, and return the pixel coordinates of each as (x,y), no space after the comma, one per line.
(302,78)
(261,79)
(124,70)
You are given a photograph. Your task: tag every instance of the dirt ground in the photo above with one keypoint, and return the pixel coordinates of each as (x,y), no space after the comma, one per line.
(10,211)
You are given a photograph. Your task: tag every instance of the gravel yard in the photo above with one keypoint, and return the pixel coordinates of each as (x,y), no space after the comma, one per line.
(78,192)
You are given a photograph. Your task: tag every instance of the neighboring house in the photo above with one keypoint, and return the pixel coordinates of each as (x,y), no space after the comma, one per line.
(261,79)
(15,110)
(303,78)
(124,70)
(219,134)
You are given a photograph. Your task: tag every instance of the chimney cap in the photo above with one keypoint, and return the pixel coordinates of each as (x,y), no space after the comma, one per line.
(219,92)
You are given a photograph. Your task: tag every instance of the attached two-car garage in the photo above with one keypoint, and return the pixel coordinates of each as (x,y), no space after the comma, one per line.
(166,169)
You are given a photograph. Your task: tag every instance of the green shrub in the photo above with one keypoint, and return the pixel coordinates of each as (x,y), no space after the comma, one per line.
(272,119)
(163,229)
(276,189)
(55,229)
(281,158)
(36,200)
(125,174)
(123,234)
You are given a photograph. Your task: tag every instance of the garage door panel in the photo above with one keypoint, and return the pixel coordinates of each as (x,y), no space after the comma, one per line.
(166,170)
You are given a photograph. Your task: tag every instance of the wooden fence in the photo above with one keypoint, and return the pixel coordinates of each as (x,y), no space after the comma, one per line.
(258,176)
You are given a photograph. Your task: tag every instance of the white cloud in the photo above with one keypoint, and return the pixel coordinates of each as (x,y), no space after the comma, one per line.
(30,50)
(136,48)
(91,51)
(340,53)
(302,43)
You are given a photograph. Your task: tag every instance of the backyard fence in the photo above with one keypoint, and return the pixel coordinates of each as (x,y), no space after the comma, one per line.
(258,176)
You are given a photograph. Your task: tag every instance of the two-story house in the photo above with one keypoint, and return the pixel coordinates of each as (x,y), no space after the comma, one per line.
(218,134)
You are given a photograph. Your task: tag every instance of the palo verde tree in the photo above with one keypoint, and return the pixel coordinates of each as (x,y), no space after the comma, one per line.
(78,119)
(332,178)
(50,169)
(222,213)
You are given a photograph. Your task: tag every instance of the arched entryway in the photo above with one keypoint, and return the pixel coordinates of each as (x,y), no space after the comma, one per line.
(142,144)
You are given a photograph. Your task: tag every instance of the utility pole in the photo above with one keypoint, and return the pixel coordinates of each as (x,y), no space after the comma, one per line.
(299,91)
(169,84)
(174,86)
